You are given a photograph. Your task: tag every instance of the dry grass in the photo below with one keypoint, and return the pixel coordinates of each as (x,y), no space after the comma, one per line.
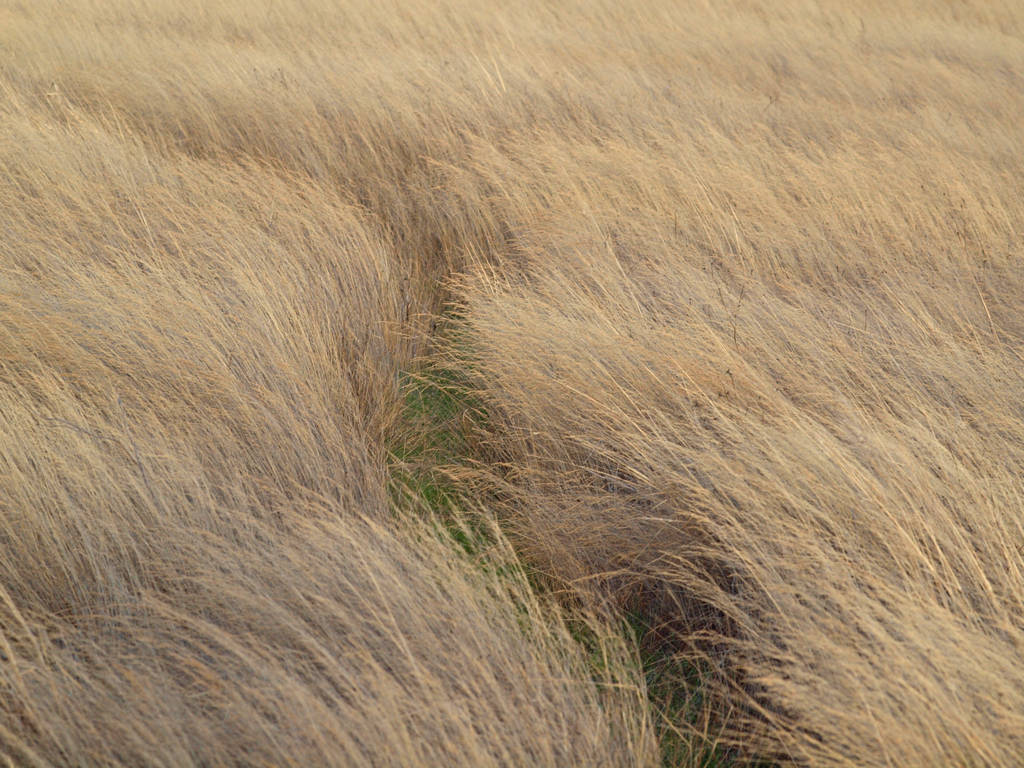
(199,368)
(760,374)
(740,285)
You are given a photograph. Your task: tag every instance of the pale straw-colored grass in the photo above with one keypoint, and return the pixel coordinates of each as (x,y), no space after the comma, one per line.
(739,286)
(199,562)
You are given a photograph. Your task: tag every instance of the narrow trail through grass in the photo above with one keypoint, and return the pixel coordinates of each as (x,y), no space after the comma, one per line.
(435,466)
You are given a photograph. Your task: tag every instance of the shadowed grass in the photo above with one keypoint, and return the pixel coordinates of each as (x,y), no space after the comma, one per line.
(446,421)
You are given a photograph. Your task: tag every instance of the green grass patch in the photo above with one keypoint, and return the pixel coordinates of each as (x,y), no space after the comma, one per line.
(440,416)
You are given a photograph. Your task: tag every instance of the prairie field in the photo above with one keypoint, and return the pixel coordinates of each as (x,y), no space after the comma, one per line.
(543,383)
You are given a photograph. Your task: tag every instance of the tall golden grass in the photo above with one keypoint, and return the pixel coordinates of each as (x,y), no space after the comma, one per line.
(199,565)
(740,286)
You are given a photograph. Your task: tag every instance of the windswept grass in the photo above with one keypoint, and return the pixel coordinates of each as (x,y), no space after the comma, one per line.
(778,404)
(737,292)
(199,559)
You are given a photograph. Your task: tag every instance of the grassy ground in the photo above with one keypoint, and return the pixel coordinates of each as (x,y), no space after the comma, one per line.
(606,383)
(433,469)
